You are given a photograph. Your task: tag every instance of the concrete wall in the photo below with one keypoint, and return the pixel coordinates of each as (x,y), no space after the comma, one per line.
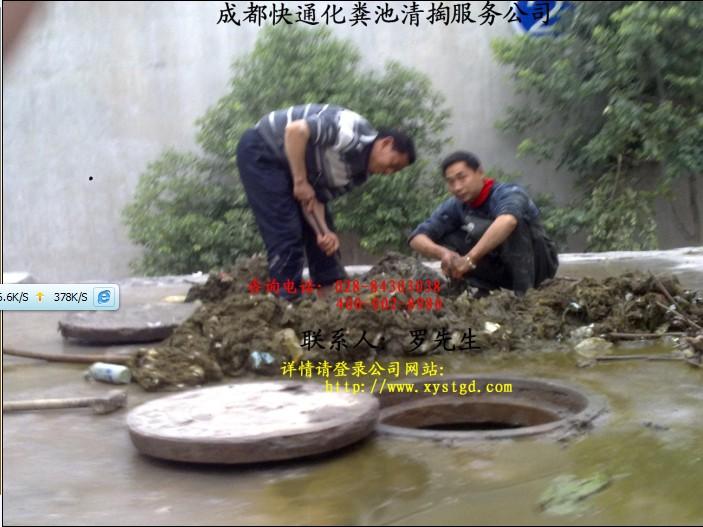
(99,90)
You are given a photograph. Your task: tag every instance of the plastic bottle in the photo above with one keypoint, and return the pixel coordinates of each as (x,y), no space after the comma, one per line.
(112,373)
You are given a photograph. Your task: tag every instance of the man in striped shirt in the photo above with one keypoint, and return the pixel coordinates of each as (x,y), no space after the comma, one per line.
(292,163)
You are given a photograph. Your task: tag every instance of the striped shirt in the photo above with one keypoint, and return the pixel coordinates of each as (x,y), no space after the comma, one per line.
(337,154)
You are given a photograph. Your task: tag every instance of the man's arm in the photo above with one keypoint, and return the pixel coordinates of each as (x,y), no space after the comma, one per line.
(446,218)
(425,246)
(511,202)
(499,231)
(295,142)
(296,139)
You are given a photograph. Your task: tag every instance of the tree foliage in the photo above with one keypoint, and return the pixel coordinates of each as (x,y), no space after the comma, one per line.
(617,95)
(190,213)
(186,215)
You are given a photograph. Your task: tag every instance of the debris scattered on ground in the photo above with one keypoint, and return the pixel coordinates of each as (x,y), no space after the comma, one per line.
(565,494)
(107,372)
(592,346)
(102,404)
(220,338)
(655,426)
(234,280)
(691,349)
(657,357)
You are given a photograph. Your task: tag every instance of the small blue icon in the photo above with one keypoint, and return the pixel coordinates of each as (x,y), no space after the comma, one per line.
(538,18)
(104,297)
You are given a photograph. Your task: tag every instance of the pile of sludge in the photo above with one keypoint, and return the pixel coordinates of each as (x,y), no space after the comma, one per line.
(238,330)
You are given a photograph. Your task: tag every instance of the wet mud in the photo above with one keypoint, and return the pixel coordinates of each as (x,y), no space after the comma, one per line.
(236,332)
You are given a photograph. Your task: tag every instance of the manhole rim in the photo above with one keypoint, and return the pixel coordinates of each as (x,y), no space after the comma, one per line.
(596,405)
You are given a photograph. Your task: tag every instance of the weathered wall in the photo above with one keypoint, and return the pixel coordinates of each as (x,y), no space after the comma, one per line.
(99,90)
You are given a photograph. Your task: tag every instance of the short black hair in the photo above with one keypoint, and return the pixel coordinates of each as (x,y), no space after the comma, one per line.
(461,155)
(402,142)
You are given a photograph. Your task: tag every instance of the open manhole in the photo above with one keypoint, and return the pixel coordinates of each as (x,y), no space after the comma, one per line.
(471,408)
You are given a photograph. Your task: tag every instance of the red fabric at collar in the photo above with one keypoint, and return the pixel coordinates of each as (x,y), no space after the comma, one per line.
(483,195)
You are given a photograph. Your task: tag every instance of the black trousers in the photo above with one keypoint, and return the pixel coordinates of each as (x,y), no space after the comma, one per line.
(526,259)
(287,236)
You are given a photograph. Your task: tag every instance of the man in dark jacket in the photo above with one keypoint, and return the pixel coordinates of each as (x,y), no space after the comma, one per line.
(488,233)
(296,160)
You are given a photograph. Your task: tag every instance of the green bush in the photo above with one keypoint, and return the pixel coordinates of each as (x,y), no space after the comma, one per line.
(619,90)
(187,215)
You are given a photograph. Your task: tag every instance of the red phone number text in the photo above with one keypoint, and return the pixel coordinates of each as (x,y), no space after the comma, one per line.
(392,303)
(387,286)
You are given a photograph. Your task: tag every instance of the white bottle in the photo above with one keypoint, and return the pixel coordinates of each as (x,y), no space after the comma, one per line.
(112,373)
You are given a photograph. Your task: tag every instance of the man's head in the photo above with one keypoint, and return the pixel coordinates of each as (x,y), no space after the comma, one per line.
(392,150)
(464,175)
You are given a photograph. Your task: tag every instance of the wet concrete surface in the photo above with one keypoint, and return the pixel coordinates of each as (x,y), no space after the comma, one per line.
(73,467)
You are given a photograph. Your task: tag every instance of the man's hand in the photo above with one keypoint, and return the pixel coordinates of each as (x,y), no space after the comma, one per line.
(460,266)
(453,264)
(448,258)
(305,194)
(329,243)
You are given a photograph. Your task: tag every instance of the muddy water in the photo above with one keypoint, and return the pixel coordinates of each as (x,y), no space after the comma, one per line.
(70,467)
(648,444)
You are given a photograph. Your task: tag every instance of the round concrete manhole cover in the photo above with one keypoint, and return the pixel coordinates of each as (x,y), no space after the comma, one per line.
(130,324)
(251,422)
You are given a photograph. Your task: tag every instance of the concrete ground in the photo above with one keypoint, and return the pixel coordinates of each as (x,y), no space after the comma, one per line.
(74,467)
